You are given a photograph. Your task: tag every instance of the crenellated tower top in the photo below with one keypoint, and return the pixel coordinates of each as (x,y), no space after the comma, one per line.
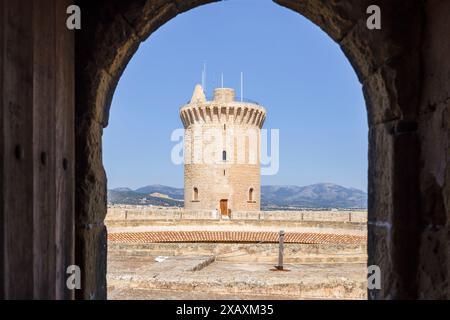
(223,108)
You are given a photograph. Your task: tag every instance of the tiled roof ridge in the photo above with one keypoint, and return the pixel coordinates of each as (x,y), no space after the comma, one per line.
(233,236)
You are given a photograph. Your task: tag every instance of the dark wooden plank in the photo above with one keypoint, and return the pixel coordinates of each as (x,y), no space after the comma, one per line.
(65,149)
(44,135)
(18,148)
(2,160)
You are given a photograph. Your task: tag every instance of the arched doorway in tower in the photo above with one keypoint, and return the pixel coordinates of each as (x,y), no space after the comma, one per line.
(224,207)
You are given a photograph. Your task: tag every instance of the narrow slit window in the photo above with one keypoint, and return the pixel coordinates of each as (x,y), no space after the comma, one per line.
(195,197)
(250,194)
(224,156)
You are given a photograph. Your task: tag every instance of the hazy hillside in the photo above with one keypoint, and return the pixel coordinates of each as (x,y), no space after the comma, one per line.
(122,196)
(173,193)
(321,195)
(324,195)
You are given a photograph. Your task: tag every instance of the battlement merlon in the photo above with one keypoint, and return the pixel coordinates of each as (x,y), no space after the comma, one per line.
(223,108)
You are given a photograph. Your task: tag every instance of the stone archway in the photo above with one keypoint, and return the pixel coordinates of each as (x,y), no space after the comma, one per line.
(409,174)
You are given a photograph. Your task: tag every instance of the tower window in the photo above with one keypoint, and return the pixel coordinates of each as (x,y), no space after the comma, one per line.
(195,195)
(224,156)
(250,194)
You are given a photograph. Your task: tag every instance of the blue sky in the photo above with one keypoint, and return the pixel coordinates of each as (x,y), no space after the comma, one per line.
(291,67)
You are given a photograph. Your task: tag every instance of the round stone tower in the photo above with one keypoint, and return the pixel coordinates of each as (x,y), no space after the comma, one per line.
(222,152)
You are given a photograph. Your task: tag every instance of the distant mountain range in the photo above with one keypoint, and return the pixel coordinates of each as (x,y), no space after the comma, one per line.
(321,195)
(128,196)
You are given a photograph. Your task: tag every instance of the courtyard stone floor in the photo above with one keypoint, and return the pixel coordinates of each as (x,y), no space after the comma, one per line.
(201,277)
(229,261)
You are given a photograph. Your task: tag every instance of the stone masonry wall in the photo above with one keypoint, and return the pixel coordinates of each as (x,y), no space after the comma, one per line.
(167,214)
(213,186)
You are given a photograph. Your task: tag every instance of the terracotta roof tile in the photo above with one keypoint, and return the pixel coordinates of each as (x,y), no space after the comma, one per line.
(232,236)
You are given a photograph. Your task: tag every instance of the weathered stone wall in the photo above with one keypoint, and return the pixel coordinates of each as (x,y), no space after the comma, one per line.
(341,216)
(434,135)
(213,186)
(164,214)
(263,252)
(242,225)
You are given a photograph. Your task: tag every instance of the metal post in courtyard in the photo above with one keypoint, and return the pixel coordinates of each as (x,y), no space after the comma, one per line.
(281,251)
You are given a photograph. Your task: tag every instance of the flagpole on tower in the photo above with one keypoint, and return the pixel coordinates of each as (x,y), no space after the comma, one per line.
(203,77)
(242,87)
(204,74)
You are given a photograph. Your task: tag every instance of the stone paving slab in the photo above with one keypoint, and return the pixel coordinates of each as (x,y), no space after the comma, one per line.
(230,236)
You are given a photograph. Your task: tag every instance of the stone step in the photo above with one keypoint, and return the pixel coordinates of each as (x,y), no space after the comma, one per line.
(269,258)
(263,251)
